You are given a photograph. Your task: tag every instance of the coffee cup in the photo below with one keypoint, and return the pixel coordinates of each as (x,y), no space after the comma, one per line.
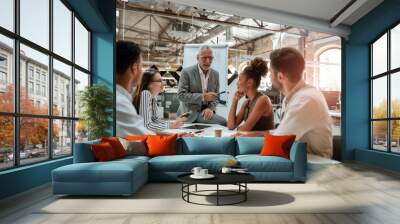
(226,170)
(218,132)
(196,171)
(203,172)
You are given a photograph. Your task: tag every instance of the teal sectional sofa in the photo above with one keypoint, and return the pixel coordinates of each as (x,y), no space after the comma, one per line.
(125,176)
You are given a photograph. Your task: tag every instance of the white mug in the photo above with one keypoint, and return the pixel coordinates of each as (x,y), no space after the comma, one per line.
(226,170)
(196,171)
(203,172)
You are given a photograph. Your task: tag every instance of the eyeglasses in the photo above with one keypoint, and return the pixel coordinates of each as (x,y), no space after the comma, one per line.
(159,80)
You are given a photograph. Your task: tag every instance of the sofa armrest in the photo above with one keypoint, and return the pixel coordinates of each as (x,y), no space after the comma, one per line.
(298,155)
(83,152)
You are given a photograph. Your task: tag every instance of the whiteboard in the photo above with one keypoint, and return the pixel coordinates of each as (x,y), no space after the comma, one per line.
(220,63)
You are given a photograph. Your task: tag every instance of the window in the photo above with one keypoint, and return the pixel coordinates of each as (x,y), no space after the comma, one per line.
(6,73)
(81,45)
(46,131)
(34,21)
(62,29)
(43,77)
(385,95)
(30,72)
(62,78)
(37,74)
(3,61)
(3,78)
(3,72)
(38,89)
(44,91)
(30,88)
(7,14)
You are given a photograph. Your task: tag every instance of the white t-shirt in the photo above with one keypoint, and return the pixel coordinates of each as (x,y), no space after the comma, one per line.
(306,115)
(204,80)
(128,120)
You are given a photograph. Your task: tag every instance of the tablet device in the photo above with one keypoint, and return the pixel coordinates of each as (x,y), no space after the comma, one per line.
(197,126)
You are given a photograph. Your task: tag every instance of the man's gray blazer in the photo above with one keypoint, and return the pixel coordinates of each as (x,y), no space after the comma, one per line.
(190,91)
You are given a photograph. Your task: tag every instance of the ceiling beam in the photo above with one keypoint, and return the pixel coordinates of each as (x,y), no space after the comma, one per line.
(137,22)
(244,9)
(216,30)
(346,11)
(189,18)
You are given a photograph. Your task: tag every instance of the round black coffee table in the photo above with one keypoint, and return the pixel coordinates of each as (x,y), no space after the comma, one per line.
(238,179)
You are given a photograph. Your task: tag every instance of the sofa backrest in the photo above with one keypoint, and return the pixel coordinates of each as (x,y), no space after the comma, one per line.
(206,145)
(83,152)
(249,145)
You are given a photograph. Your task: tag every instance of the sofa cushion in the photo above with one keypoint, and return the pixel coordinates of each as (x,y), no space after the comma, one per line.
(111,171)
(206,145)
(116,145)
(185,163)
(277,145)
(134,147)
(257,163)
(103,152)
(83,152)
(161,145)
(249,145)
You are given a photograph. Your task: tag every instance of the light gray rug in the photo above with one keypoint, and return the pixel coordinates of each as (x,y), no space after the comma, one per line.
(166,198)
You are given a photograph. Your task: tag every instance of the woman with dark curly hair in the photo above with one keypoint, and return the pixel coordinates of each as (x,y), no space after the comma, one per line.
(256,111)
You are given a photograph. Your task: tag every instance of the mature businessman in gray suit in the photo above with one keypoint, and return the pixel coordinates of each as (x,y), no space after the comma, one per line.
(198,90)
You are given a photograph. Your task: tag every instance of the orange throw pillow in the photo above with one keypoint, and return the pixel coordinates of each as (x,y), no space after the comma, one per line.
(116,145)
(103,152)
(277,145)
(161,145)
(136,137)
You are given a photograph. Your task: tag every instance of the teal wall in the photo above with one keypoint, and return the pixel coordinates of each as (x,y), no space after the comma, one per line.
(99,16)
(355,97)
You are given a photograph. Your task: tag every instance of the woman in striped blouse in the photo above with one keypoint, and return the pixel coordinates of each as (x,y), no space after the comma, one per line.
(145,100)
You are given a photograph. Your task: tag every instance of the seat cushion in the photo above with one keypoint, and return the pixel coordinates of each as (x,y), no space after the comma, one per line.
(206,145)
(257,163)
(185,163)
(111,171)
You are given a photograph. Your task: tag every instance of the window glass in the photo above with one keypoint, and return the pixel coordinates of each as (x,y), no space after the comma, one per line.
(379,56)
(62,91)
(62,141)
(6,142)
(35,21)
(81,45)
(81,82)
(33,140)
(7,14)
(39,62)
(379,98)
(62,29)
(6,75)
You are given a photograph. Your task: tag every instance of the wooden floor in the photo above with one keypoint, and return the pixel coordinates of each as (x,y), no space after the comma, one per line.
(378,188)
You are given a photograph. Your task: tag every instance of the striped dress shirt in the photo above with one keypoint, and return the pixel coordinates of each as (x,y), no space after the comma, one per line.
(149,111)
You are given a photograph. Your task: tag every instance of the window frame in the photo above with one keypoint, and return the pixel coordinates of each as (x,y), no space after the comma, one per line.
(388,74)
(16,114)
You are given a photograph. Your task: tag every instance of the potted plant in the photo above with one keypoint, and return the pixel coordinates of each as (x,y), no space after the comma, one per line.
(96,104)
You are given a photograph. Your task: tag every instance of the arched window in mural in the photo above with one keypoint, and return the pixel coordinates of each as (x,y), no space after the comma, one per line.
(328,79)
(330,70)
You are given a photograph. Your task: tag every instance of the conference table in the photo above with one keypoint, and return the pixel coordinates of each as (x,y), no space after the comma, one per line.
(207,130)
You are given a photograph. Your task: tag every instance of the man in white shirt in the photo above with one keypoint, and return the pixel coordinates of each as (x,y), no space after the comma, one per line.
(304,108)
(129,72)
